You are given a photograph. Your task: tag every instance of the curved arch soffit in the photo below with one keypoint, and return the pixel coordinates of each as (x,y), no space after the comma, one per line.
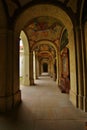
(43,10)
(45,42)
(85,31)
(46,52)
(44,61)
(25,42)
(81,11)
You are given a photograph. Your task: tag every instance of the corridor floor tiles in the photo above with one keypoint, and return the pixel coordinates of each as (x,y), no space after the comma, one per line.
(44,107)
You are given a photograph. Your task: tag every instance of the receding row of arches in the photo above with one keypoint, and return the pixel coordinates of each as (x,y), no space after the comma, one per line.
(63,63)
(48,43)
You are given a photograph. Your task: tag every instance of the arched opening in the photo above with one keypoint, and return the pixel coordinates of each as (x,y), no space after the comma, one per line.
(43,10)
(85,29)
(46,52)
(21,61)
(45,68)
(39,23)
(24,59)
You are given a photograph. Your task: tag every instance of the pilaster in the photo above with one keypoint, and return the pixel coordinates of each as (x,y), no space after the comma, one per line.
(31,76)
(54,70)
(10,95)
(26,69)
(80,90)
(36,67)
(84,58)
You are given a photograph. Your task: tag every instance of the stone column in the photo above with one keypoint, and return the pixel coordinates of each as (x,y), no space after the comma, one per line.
(60,67)
(84,58)
(79,67)
(10,94)
(54,71)
(57,69)
(37,66)
(49,67)
(4,73)
(34,65)
(40,67)
(38,73)
(15,70)
(31,76)
(26,69)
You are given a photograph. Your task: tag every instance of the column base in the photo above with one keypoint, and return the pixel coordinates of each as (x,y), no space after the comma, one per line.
(26,82)
(9,102)
(73,98)
(31,81)
(80,102)
(85,104)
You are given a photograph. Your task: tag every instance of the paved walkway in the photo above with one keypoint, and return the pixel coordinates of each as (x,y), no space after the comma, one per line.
(44,107)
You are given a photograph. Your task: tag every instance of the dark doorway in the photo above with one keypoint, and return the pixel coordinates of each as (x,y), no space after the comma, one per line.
(45,67)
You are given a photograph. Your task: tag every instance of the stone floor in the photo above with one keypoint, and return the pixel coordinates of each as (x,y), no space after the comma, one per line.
(44,107)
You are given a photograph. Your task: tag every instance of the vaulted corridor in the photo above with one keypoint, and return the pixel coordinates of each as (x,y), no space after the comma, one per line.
(44,107)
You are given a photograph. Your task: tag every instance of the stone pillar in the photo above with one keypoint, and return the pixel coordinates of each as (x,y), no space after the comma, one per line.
(79,67)
(40,67)
(36,67)
(26,69)
(49,67)
(57,70)
(38,72)
(31,76)
(15,70)
(10,94)
(54,70)
(4,72)
(84,58)
(60,67)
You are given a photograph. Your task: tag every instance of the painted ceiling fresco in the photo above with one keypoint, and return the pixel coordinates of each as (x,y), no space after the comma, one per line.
(64,40)
(44,47)
(45,56)
(44,28)
(43,23)
(45,51)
